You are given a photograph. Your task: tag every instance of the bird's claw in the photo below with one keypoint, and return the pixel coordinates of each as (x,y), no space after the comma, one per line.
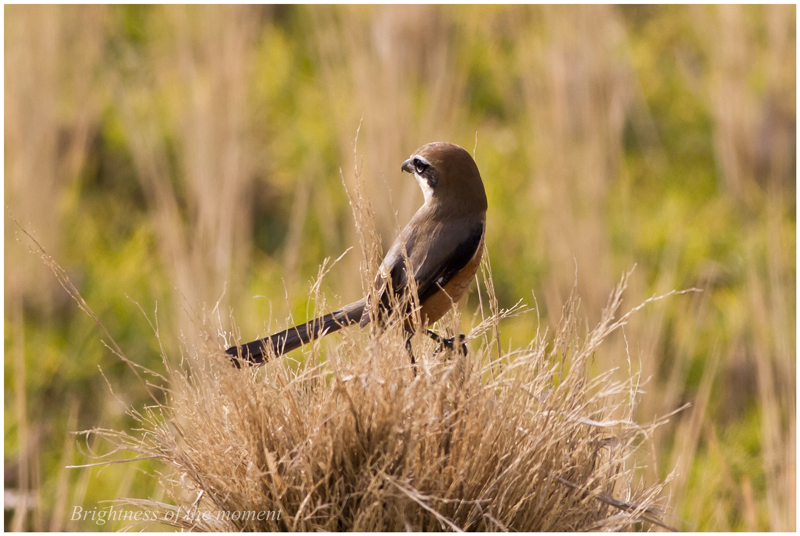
(450,344)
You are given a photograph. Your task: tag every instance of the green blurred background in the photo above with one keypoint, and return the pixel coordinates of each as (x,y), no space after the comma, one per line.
(179,157)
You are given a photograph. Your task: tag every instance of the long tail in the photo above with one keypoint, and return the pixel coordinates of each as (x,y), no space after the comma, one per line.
(280,343)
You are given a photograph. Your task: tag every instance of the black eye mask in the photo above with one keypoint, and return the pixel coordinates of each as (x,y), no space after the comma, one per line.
(426,171)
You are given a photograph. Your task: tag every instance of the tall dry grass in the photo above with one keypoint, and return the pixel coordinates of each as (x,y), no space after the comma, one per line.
(50,117)
(578,95)
(187,95)
(581,92)
(754,132)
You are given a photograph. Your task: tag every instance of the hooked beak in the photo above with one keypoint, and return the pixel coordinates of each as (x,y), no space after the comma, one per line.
(407,166)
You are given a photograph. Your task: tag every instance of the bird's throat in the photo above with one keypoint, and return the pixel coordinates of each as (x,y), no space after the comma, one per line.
(427,191)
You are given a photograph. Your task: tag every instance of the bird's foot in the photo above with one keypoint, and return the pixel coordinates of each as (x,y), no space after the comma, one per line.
(450,343)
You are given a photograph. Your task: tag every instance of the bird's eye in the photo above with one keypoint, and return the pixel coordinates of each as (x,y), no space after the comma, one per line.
(420,166)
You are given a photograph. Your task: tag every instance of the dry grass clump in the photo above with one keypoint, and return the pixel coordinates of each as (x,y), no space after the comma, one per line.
(352,439)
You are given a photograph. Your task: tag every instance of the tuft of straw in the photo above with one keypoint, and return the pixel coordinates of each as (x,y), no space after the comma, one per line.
(352,439)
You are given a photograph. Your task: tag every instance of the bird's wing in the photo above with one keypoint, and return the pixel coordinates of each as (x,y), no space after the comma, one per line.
(436,252)
(433,276)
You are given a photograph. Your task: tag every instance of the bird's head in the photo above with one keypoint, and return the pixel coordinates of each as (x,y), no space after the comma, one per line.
(448,177)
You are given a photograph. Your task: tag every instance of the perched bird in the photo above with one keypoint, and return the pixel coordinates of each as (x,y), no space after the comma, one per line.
(443,244)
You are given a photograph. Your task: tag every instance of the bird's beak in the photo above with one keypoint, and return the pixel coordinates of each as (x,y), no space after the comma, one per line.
(407,166)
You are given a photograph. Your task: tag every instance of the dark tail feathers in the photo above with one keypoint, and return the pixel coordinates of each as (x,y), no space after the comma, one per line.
(280,343)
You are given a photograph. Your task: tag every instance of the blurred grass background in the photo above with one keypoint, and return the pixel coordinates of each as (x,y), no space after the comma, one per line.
(180,156)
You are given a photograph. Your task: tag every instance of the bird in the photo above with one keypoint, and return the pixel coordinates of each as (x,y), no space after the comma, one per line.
(440,249)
